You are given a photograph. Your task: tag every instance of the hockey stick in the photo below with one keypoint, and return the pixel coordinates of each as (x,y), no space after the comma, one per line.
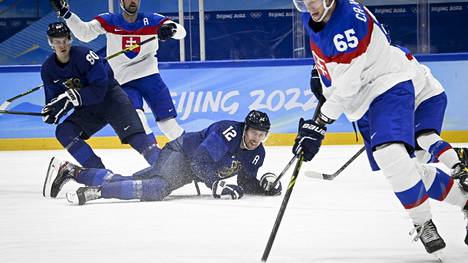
(20,113)
(279,217)
(286,168)
(197,188)
(132,47)
(8,101)
(317,175)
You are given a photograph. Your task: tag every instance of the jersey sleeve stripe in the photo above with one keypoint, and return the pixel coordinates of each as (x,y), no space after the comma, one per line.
(163,20)
(148,30)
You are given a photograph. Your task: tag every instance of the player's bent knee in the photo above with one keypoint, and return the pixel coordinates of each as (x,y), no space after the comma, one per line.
(393,159)
(66,132)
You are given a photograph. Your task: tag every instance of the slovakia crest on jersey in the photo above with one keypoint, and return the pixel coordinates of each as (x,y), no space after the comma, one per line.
(128,41)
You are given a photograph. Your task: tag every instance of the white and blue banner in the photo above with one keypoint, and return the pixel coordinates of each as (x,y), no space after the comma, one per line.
(212,91)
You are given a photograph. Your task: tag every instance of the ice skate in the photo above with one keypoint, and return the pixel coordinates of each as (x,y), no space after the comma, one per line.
(465,213)
(83,195)
(58,173)
(460,173)
(430,238)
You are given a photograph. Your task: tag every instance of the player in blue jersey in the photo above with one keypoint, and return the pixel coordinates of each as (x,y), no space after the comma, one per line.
(137,70)
(76,78)
(222,150)
(370,81)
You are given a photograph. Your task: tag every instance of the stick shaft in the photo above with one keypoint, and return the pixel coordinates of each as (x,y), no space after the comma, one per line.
(286,168)
(356,155)
(282,209)
(20,113)
(318,175)
(132,47)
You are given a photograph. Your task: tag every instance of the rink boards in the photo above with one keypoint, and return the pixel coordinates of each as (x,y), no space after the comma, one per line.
(204,92)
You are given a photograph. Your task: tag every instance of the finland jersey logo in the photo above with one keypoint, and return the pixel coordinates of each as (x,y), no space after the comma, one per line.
(128,42)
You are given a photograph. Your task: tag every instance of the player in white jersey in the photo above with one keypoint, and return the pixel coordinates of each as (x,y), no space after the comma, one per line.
(370,81)
(137,70)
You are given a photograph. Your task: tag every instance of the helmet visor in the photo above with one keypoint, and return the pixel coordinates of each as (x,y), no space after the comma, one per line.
(305,5)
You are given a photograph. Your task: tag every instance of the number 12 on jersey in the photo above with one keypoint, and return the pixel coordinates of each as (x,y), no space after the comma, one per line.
(230,133)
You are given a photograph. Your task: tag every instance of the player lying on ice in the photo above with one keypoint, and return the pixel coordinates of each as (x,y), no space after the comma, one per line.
(222,150)
(375,84)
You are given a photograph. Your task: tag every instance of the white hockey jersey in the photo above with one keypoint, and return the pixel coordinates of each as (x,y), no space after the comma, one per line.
(120,34)
(355,60)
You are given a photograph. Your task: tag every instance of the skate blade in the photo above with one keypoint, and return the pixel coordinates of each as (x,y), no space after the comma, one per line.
(53,165)
(439,255)
(72,198)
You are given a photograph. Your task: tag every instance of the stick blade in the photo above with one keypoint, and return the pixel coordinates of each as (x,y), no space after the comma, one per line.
(319,176)
(5,105)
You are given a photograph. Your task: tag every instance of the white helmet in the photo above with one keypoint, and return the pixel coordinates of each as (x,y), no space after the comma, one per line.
(301,6)
(122,6)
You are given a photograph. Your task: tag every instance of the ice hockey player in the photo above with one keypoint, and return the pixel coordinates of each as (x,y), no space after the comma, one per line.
(76,78)
(369,81)
(222,150)
(137,70)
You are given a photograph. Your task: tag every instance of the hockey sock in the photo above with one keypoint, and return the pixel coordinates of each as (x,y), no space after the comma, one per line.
(439,149)
(146,145)
(154,189)
(441,186)
(68,134)
(402,174)
(423,157)
(170,128)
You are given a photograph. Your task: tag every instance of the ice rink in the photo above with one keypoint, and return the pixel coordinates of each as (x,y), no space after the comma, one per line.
(355,218)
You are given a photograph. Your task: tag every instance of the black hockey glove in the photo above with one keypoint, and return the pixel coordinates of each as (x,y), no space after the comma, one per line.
(309,138)
(222,189)
(56,109)
(266,182)
(316,86)
(60,7)
(166,31)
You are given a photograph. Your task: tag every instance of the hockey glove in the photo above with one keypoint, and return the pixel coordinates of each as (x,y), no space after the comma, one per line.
(60,7)
(460,173)
(309,138)
(222,189)
(56,109)
(266,182)
(166,31)
(72,83)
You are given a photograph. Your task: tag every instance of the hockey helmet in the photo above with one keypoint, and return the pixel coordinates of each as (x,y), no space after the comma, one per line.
(257,120)
(301,6)
(58,29)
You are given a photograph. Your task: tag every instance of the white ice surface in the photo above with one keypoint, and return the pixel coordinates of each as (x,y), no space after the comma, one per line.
(355,218)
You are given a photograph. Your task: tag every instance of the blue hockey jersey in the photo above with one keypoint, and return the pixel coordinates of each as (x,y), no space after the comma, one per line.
(216,152)
(95,75)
